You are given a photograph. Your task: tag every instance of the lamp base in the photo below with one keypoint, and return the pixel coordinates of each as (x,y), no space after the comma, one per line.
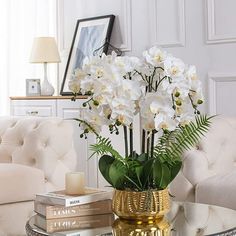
(46,88)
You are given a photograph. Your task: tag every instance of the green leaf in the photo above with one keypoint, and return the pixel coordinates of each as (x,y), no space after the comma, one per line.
(143,157)
(166,176)
(157,172)
(104,146)
(104,165)
(175,168)
(172,144)
(133,182)
(117,172)
(134,155)
(139,173)
(131,173)
(147,171)
(161,174)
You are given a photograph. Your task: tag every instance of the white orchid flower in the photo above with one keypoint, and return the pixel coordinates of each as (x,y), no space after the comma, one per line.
(123,86)
(123,109)
(131,89)
(95,120)
(127,64)
(165,122)
(74,85)
(155,56)
(148,124)
(184,119)
(178,87)
(174,67)
(86,85)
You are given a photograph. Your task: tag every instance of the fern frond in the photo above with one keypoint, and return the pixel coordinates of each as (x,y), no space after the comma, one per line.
(172,145)
(104,146)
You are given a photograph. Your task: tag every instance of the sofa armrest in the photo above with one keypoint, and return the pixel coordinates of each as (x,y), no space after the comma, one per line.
(19,183)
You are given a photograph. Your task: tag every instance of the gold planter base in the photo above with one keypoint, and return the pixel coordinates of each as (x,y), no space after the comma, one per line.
(143,206)
(159,227)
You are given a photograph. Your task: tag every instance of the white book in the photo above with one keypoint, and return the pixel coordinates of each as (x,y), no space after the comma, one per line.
(61,198)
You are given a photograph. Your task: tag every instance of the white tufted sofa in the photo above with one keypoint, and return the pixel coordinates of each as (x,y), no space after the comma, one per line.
(35,154)
(208,174)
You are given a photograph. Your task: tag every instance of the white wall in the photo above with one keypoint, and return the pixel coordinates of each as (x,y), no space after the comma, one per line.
(201,32)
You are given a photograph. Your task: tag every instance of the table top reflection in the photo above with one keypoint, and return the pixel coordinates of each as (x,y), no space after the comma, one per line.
(184,219)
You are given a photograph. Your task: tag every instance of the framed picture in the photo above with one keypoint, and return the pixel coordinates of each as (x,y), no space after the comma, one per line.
(33,87)
(90,34)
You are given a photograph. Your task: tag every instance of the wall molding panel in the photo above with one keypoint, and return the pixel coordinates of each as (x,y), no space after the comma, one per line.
(214,80)
(180,25)
(212,36)
(127,17)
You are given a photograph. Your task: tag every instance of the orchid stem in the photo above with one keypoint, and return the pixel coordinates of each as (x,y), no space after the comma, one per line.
(126,141)
(152,143)
(148,144)
(143,141)
(131,140)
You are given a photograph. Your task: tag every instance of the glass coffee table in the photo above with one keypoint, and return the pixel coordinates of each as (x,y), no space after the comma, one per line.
(184,219)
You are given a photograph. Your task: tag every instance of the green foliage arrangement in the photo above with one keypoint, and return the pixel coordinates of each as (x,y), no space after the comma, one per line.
(142,172)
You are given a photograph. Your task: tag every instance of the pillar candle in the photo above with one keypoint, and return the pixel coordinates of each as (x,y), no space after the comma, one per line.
(75,183)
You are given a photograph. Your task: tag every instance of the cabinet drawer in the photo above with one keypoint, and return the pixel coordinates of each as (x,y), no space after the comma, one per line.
(68,109)
(33,108)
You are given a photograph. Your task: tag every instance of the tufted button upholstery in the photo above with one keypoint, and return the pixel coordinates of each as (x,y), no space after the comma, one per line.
(215,156)
(44,143)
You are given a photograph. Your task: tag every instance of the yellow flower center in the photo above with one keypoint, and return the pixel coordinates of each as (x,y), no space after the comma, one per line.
(194,77)
(179,110)
(164,126)
(150,126)
(99,72)
(158,58)
(174,70)
(121,118)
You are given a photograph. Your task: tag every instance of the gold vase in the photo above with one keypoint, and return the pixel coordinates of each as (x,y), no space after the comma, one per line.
(143,206)
(159,227)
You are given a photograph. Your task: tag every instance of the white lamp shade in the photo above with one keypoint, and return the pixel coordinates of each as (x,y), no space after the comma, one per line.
(44,50)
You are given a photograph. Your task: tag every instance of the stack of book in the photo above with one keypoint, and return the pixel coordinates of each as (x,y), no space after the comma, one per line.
(56,211)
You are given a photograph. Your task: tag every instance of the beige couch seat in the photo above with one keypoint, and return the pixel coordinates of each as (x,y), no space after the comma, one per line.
(19,182)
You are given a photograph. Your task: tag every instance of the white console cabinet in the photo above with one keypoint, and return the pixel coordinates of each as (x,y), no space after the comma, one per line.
(62,106)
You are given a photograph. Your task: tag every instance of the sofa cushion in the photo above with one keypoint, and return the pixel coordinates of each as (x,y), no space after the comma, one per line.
(19,182)
(218,190)
(13,218)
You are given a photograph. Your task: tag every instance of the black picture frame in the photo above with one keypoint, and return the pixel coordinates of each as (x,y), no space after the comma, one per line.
(90,34)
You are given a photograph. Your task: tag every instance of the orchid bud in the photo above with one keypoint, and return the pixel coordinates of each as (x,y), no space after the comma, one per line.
(95,103)
(178,102)
(177,94)
(199,101)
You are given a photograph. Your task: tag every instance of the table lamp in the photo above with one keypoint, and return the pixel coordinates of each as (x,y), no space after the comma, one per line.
(44,50)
